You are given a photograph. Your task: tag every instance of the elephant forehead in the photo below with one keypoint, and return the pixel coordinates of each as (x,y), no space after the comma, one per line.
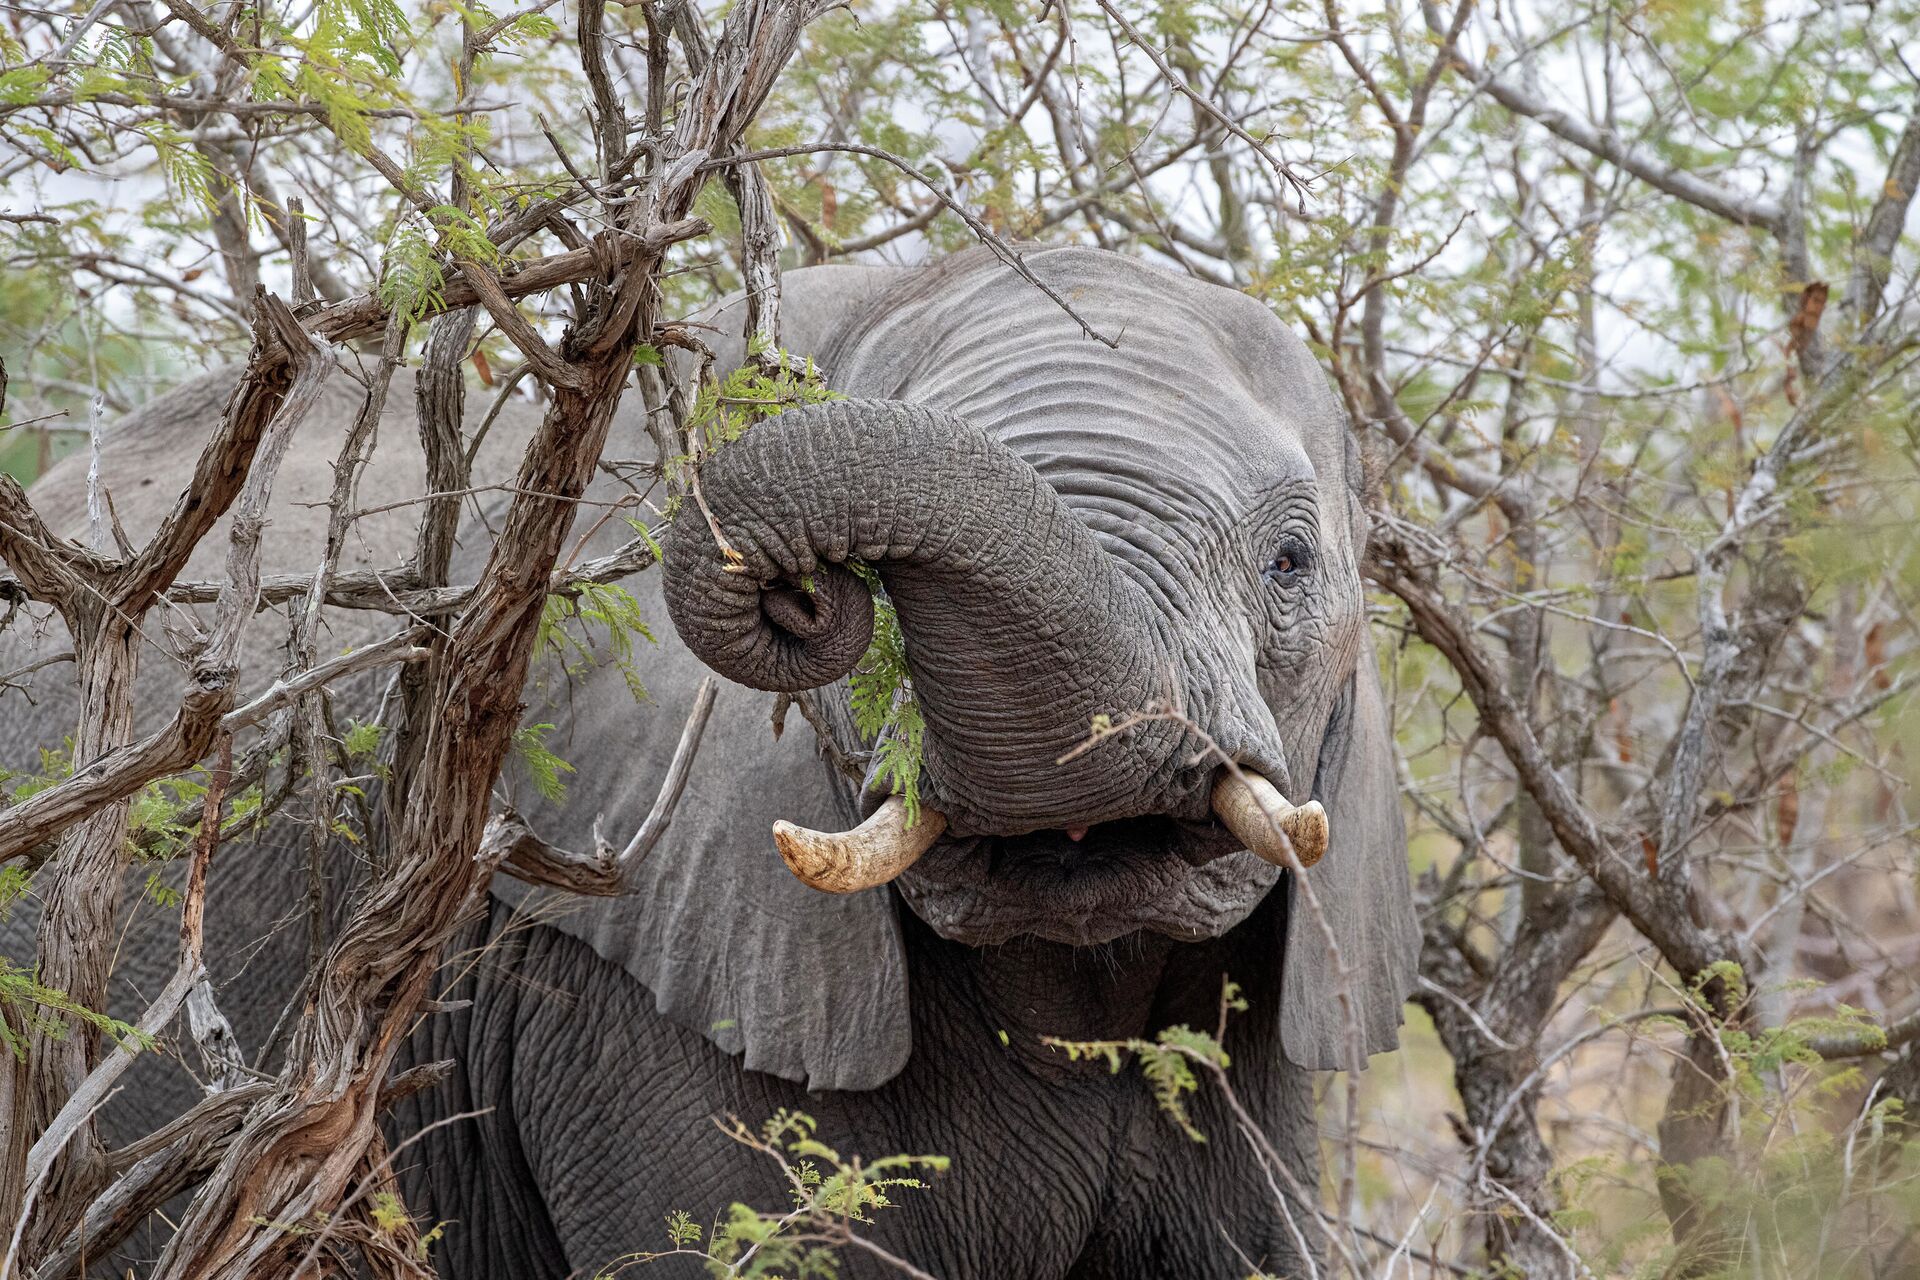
(1205,391)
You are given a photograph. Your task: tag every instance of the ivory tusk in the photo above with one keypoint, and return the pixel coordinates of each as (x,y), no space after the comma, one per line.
(871,854)
(1255,811)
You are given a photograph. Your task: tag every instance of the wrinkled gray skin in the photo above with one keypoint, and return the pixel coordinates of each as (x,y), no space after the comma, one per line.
(1065,531)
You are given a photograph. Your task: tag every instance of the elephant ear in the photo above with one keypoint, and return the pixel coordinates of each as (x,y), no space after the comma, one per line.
(1363,889)
(802,985)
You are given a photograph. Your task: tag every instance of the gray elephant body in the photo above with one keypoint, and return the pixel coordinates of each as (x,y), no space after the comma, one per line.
(600,1116)
(604,1036)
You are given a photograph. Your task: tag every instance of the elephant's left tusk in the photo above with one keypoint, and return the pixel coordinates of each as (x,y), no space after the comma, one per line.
(871,854)
(1255,811)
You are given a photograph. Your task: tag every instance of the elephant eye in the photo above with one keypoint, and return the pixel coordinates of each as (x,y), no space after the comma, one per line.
(1290,563)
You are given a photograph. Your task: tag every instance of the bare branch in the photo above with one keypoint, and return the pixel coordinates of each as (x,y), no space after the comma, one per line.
(1873,251)
(679,769)
(92,1092)
(514,847)
(1755,211)
(1005,252)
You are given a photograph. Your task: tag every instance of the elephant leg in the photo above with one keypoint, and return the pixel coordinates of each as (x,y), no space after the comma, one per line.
(1217,1215)
(598,1113)
(458,1148)
(1207,1210)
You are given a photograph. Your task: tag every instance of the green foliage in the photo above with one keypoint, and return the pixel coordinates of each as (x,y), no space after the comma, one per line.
(362,740)
(389,1213)
(164,816)
(647,538)
(187,170)
(463,237)
(34,1009)
(591,623)
(829,1196)
(546,770)
(524,29)
(682,1230)
(160,893)
(15,882)
(723,411)
(376,29)
(390,1217)
(1820,1170)
(1820,1200)
(412,282)
(1167,1061)
(20,85)
(880,692)
(56,765)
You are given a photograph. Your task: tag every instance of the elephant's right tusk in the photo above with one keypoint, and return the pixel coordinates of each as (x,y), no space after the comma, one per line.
(1255,811)
(871,854)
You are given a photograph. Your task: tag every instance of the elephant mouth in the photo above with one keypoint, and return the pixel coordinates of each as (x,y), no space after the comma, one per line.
(1186,880)
(1083,885)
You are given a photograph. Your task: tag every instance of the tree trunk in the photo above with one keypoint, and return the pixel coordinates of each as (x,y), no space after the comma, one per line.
(77,927)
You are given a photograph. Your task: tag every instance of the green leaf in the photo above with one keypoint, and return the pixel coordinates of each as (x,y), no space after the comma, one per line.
(546,770)
(44,1011)
(880,695)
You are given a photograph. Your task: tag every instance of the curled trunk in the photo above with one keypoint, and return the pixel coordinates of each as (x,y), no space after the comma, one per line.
(1019,627)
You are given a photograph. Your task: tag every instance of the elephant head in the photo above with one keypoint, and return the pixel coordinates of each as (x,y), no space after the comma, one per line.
(1127,581)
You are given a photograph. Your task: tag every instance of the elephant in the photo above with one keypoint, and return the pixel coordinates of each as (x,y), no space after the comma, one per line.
(1126,583)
